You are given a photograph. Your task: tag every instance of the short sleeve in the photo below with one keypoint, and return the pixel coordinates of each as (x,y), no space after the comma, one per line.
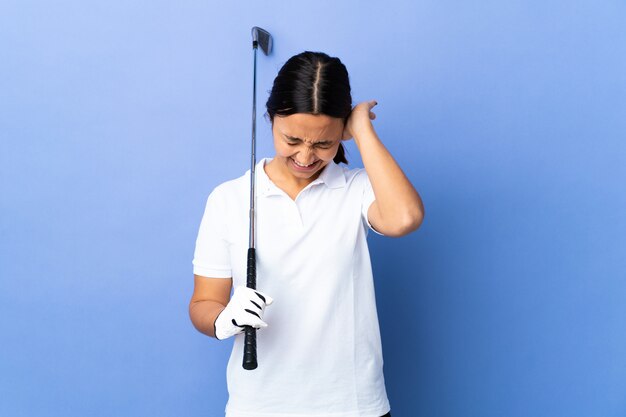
(211,256)
(366,202)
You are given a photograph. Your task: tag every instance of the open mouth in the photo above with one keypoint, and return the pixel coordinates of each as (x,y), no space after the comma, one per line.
(304,168)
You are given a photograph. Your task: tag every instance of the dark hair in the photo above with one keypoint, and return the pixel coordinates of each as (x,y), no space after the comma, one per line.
(314,83)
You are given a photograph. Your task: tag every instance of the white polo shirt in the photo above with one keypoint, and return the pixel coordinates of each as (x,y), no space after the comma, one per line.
(321,353)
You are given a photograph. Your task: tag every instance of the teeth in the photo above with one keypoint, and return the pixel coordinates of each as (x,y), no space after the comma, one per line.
(303,166)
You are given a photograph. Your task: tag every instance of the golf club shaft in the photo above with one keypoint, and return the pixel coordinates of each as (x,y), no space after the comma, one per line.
(249,347)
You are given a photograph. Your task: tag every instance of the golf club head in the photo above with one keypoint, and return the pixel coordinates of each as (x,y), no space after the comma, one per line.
(263,38)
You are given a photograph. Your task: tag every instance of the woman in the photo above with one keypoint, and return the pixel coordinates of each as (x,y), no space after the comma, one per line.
(318,346)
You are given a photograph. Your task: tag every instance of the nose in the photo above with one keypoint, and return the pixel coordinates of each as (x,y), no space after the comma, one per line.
(305,156)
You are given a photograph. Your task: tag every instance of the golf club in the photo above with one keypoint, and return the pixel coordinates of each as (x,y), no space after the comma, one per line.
(262,38)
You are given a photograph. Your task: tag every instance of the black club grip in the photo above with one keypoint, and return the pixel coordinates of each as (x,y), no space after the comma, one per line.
(249,346)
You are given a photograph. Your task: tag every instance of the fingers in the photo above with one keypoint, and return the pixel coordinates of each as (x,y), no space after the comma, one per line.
(249,321)
(253,295)
(260,324)
(245,308)
(252,306)
(372,103)
(254,321)
(369,105)
(266,298)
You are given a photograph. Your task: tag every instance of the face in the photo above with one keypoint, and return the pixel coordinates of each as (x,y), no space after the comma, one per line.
(306,143)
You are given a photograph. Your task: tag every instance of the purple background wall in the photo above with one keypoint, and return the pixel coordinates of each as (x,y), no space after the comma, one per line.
(118,118)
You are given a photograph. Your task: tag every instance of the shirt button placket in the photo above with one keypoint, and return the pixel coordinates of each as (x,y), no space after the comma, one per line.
(297,216)
(297,209)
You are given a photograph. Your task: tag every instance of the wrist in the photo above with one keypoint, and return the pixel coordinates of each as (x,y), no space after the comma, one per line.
(364,134)
(215,323)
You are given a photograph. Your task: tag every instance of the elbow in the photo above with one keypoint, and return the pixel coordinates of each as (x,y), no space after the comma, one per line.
(416,217)
(416,221)
(408,223)
(413,221)
(399,220)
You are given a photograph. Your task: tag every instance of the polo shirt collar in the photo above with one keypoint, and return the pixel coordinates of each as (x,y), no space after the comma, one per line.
(332,176)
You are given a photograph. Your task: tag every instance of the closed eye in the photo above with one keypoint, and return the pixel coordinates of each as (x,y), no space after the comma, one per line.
(291,141)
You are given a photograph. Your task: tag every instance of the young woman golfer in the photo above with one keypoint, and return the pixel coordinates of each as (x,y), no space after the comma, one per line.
(318,342)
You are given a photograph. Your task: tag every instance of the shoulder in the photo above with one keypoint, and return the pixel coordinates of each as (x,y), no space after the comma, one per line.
(355,177)
(230,192)
(232,186)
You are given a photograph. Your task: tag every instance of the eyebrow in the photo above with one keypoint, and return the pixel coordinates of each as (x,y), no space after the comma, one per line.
(322,142)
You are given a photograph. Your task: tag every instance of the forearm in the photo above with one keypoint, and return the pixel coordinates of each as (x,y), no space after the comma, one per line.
(203,315)
(398,202)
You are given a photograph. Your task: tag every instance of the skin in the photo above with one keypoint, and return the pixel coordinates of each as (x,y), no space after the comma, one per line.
(318,139)
(396,211)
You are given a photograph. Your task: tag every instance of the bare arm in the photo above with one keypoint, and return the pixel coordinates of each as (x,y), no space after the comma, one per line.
(398,208)
(210,296)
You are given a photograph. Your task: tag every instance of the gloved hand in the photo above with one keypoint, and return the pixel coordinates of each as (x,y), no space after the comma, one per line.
(245,307)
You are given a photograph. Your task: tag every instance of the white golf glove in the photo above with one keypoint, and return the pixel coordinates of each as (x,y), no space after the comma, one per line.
(245,308)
